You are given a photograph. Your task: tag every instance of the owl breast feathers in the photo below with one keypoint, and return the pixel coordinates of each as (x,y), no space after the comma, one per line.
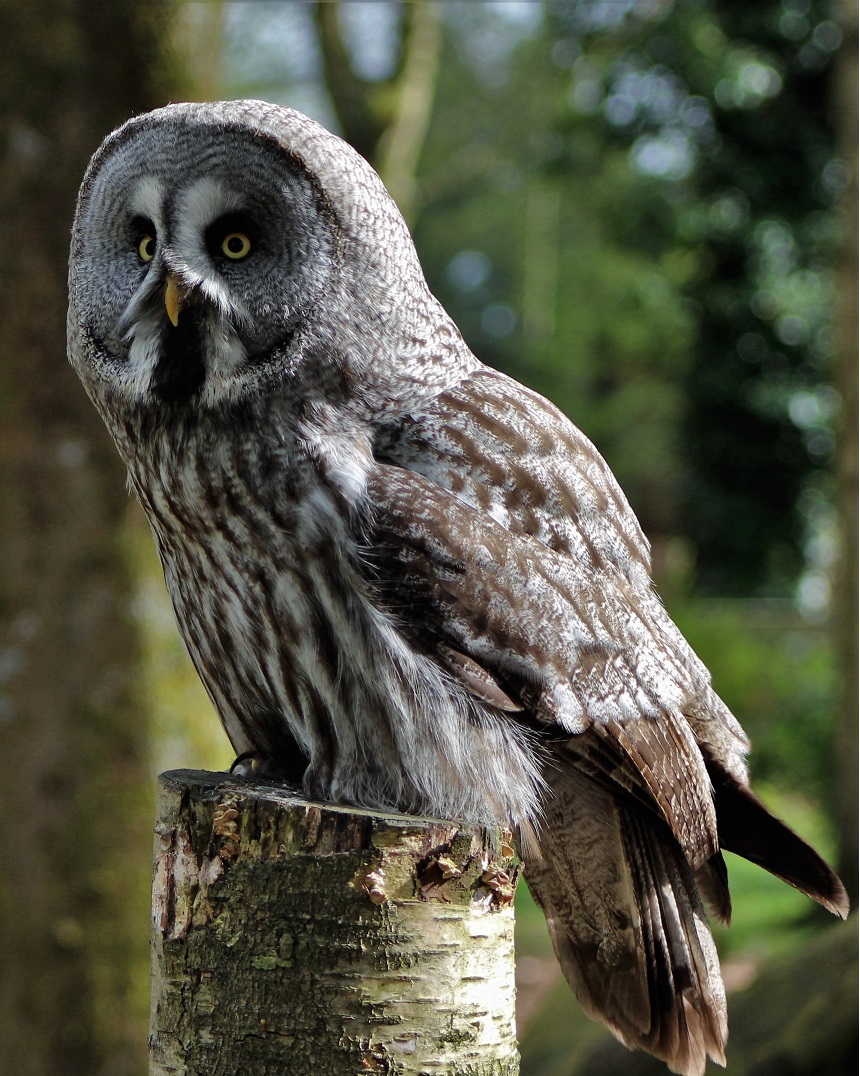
(405,579)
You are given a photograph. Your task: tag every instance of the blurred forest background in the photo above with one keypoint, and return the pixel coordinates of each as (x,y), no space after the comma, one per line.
(646,210)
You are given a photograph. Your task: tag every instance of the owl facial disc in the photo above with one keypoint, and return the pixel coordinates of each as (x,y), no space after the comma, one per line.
(196,280)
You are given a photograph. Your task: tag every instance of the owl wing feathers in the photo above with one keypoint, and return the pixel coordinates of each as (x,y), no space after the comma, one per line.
(505,449)
(519,550)
(748,829)
(627,924)
(630,807)
(461,584)
(517,460)
(551,618)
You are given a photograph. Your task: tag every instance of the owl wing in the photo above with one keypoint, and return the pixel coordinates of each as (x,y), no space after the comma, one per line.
(510,552)
(519,561)
(525,628)
(501,542)
(503,448)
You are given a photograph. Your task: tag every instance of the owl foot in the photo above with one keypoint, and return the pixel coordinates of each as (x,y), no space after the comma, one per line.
(286,772)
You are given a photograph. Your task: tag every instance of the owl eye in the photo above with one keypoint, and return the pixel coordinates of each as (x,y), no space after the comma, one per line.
(146,248)
(236,245)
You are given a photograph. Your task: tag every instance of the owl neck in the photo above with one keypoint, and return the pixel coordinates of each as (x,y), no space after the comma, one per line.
(396,357)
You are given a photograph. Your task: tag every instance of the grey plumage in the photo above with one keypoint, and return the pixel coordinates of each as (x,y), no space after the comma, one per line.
(401,575)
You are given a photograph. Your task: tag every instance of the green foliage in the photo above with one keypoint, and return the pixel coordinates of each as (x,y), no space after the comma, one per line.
(652,192)
(515,237)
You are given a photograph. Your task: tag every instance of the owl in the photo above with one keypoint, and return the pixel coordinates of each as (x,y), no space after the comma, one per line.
(407,581)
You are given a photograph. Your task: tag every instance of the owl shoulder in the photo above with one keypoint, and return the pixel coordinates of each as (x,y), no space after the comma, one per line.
(506,450)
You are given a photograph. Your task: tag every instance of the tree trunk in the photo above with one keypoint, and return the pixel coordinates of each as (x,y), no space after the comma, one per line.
(294,937)
(386,121)
(72,724)
(402,140)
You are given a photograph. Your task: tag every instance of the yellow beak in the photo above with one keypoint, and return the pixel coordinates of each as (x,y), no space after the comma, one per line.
(174,299)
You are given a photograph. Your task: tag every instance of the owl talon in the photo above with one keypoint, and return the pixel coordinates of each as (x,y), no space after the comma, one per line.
(246,764)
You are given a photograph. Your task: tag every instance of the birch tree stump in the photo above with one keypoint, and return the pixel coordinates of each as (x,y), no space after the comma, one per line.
(294,937)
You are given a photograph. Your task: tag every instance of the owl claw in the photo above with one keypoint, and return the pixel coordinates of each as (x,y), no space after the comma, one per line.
(287,771)
(246,764)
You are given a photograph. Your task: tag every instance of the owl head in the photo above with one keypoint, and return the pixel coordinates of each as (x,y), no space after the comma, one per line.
(221,248)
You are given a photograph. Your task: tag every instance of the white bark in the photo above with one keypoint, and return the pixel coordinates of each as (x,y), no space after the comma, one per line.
(294,937)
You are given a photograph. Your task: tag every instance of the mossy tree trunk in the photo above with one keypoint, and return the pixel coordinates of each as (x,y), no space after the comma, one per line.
(294,937)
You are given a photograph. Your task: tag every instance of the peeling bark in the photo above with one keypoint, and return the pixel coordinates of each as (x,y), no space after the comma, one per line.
(292,936)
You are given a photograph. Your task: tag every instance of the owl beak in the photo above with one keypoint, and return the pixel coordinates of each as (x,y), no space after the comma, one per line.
(175,297)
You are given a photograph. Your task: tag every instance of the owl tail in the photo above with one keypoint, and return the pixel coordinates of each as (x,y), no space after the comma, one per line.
(748,829)
(627,922)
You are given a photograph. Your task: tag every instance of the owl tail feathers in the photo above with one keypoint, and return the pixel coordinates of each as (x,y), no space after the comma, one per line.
(748,829)
(628,926)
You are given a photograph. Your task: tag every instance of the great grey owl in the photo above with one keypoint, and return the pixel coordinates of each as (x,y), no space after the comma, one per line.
(401,575)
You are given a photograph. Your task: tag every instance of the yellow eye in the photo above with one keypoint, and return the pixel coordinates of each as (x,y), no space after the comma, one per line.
(146,248)
(236,245)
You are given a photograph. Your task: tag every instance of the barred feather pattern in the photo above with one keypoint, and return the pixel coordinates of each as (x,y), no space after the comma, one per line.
(295,652)
(403,578)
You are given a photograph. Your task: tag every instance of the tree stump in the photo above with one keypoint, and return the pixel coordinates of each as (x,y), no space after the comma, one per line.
(296,937)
